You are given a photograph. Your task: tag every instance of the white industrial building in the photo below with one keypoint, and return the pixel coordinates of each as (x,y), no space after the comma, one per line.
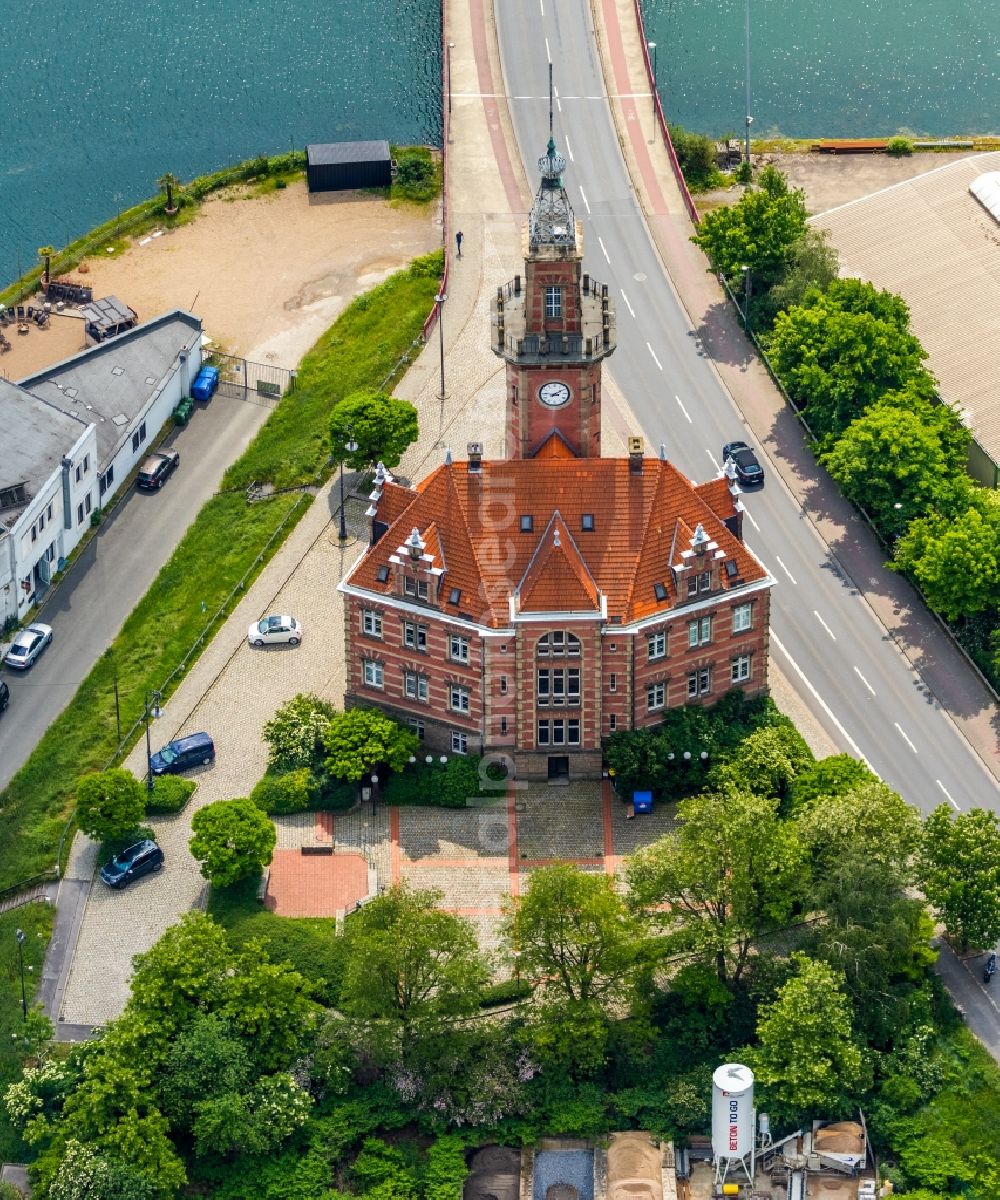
(72,435)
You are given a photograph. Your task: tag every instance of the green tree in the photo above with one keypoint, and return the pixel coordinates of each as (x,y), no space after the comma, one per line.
(256,1122)
(891,462)
(758,232)
(955,559)
(959,870)
(410,968)
(269,1004)
(446,1171)
(109,804)
(731,871)
(294,734)
(870,819)
(638,758)
(807,1062)
(206,1060)
(765,763)
(832,776)
(232,839)
(696,156)
(813,262)
(181,974)
(361,739)
(841,349)
(381,425)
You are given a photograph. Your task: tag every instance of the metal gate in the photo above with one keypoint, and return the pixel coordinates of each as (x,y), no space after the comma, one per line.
(240,378)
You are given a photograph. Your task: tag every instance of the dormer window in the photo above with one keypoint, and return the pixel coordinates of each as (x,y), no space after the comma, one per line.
(701,582)
(415,587)
(382,574)
(587,522)
(527,524)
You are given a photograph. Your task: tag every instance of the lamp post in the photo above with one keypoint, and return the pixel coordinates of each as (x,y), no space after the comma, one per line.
(439,301)
(746,297)
(153,711)
(447,60)
(19,935)
(652,46)
(749,119)
(351,446)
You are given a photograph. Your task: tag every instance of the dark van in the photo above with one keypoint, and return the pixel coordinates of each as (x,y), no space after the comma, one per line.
(195,750)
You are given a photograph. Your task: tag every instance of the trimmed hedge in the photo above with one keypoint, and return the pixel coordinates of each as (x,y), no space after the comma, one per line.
(443,785)
(170,794)
(293,791)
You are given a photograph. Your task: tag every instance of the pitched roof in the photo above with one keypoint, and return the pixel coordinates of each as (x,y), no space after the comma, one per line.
(641,521)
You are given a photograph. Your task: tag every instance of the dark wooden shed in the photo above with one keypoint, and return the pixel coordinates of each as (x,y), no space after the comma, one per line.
(335,166)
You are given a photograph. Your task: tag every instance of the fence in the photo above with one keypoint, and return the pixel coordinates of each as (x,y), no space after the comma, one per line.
(238,376)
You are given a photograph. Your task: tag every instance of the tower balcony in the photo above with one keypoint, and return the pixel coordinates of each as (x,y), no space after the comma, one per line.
(511,340)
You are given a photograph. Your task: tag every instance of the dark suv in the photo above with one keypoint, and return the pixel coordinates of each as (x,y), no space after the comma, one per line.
(195,750)
(141,859)
(157,469)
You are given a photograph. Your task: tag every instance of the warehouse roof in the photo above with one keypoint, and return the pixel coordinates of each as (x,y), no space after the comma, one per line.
(931,241)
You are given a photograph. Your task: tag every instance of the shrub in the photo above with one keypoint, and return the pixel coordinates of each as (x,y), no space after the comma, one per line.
(295,733)
(290,792)
(170,794)
(899,147)
(336,795)
(444,785)
(696,155)
(418,176)
(507,991)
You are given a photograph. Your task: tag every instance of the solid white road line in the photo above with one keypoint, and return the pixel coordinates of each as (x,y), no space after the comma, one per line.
(947,796)
(749,516)
(569,149)
(541,7)
(629,306)
(820,701)
(904,737)
(548,52)
(784,568)
(714,462)
(586,205)
(824,624)
(655,359)
(555,92)
(677,398)
(864,681)
(604,249)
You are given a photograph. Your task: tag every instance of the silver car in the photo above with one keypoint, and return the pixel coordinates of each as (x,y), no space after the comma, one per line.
(27,646)
(271,630)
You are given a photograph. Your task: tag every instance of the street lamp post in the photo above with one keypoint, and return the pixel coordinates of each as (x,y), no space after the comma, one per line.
(351,446)
(749,119)
(746,297)
(153,711)
(439,301)
(19,935)
(652,46)
(447,59)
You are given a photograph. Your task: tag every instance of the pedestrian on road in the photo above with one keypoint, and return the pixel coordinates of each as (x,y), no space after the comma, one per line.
(458,242)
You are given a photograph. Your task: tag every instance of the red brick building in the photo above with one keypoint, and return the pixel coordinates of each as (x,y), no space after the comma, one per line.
(532,606)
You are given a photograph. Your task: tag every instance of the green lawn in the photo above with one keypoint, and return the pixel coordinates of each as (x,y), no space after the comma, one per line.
(222,545)
(36,921)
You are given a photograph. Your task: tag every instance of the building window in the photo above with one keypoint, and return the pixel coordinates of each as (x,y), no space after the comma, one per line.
(700,682)
(553,302)
(79,519)
(371,623)
(612,723)
(613,648)
(587,522)
(700,631)
(612,682)
(458,698)
(459,742)
(415,587)
(702,582)
(503,685)
(50,512)
(458,648)
(503,724)
(107,479)
(558,642)
(41,522)
(86,503)
(414,635)
(417,727)
(454,595)
(741,669)
(382,574)
(656,696)
(34,528)
(415,686)
(139,436)
(79,471)
(527,524)
(559,732)
(658,645)
(50,553)
(558,685)
(374,674)
(742,618)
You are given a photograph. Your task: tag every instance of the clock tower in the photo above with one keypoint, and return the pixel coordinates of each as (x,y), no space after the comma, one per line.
(553,328)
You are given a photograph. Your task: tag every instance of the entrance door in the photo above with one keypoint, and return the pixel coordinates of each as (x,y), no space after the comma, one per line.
(558,768)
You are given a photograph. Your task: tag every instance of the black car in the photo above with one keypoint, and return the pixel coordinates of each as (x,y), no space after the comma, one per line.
(157,469)
(141,859)
(4,696)
(748,469)
(195,750)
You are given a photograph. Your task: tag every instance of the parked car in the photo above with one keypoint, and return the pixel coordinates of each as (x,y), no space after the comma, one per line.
(748,469)
(4,696)
(206,383)
(141,859)
(27,646)
(194,750)
(157,469)
(271,630)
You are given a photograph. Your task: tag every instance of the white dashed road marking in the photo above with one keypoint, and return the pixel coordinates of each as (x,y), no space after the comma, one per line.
(864,681)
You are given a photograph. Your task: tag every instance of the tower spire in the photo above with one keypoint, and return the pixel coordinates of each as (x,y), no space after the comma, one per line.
(550,104)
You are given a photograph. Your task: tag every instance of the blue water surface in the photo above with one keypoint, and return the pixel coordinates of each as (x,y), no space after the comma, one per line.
(101,99)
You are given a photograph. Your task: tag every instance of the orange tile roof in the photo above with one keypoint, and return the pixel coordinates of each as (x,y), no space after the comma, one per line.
(642,522)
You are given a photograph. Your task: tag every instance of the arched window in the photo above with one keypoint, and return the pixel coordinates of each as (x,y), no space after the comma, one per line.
(558,643)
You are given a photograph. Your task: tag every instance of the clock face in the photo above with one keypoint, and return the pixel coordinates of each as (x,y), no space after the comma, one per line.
(553,394)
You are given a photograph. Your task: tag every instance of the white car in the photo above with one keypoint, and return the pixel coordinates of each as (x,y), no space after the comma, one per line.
(27,646)
(271,630)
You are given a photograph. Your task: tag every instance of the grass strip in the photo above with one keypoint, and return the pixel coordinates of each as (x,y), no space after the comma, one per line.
(226,542)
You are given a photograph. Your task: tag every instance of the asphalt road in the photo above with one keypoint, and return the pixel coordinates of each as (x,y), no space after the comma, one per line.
(978,1002)
(115,571)
(869,698)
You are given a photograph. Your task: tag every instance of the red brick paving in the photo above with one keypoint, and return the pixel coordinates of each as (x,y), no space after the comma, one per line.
(311,885)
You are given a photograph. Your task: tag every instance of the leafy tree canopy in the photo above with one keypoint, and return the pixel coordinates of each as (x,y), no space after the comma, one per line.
(870,819)
(832,776)
(232,839)
(765,763)
(109,804)
(381,425)
(813,262)
(959,871)
(361,739)
(955,559)
(294,734)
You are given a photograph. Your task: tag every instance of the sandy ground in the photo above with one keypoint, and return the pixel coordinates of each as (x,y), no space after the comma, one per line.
(267,275)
